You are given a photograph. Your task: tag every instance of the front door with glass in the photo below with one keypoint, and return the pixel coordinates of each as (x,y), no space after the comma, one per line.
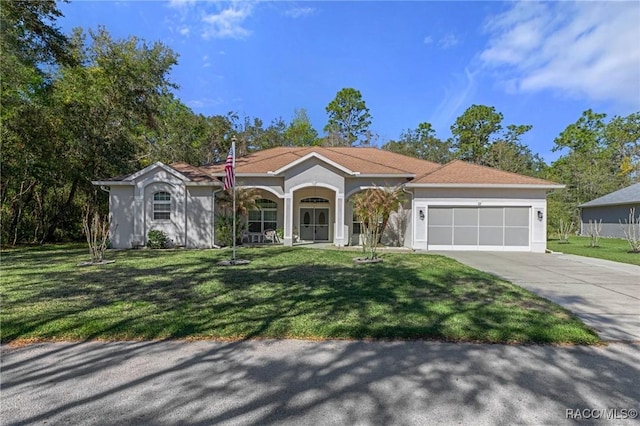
(314,224)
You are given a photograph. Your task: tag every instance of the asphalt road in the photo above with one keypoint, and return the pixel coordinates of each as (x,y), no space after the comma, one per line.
(289,382)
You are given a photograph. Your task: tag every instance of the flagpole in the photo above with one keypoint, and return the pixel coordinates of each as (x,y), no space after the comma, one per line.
(233,150)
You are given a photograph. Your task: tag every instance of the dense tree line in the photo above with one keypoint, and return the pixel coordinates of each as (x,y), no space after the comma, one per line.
(85,106)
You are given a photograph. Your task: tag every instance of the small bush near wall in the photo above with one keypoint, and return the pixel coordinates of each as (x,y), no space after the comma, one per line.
(157,239)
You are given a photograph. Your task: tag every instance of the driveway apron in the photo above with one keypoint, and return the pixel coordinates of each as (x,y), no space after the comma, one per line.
(604,294)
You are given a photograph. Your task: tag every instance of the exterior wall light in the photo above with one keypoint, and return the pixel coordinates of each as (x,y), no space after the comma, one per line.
(540,215)
(421,214)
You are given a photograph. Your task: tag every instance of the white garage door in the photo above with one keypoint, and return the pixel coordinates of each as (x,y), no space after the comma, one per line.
(478,227)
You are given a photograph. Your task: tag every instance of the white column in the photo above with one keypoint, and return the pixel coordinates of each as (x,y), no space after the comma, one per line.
(288,219)
(338,236)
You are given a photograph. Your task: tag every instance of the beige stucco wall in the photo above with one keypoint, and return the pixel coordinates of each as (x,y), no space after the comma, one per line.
(131,208)
(121,210)
(313,172)
(274,185)
(199,217)
(356,184)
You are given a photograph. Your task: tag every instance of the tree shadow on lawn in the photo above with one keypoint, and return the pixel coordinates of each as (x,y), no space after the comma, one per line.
(189,296)
(269,382)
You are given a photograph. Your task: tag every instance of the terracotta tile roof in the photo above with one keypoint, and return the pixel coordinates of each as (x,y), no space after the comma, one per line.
(361,160)
(461,172)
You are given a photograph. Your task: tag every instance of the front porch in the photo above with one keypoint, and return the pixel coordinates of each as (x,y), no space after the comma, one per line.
(314,214)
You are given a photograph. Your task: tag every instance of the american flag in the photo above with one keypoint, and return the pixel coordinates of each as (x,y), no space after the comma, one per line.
(229,177)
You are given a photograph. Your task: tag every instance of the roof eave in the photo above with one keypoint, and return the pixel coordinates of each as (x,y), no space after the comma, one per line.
(621,203)
(386,175)
(209,183)
(112,183)
(219,175)
(485,185)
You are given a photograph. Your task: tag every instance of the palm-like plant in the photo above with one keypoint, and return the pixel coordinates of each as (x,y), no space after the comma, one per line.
(246,201)
(373,207)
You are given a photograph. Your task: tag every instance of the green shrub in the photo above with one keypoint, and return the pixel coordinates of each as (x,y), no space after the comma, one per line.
(224,229)
(157,239)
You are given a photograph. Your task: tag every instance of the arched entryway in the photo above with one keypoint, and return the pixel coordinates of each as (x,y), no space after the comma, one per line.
(314,219)
(314,214)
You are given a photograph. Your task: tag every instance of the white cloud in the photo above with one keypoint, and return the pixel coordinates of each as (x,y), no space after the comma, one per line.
(228,23)
(184,31)
(428,40)
(299,12)
(582,49)
(180,3)
(456,96)
(205,102)
(448,41)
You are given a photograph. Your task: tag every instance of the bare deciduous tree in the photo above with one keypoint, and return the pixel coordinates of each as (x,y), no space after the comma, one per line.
(593,231)
(631,229)
(96,229)
(564,229)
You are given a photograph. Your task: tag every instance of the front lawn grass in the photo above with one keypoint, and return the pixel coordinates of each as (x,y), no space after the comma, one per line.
(283,293)
(616,249)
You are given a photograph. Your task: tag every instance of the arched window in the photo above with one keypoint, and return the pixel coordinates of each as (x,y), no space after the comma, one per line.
(266,217)
(314,200)
(161,206)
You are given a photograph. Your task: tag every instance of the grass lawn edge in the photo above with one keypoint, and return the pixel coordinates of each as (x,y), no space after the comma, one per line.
(408,291)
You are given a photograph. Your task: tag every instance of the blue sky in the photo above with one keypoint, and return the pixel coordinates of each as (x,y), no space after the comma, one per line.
(537,63)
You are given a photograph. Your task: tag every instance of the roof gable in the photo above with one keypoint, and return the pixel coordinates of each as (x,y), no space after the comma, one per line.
(308,157)
(628,195)
(156,165)
(187,173)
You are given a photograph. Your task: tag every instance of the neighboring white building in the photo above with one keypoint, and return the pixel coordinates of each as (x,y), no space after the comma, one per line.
(306,191)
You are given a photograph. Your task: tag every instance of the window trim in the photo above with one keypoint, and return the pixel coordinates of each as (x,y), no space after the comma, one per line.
(165,201)
(262,211)
(314,200)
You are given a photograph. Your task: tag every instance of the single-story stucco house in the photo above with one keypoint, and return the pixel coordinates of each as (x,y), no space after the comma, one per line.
(305,191)
(612,209)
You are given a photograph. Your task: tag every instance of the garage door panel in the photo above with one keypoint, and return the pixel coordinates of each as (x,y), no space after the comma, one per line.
(492,216)
(516,236)
(440,216)
(441,235)
(516,216)
(465,216)
(491,236)
(465,236)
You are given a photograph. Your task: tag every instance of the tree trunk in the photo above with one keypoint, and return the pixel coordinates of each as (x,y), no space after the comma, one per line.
(62,212)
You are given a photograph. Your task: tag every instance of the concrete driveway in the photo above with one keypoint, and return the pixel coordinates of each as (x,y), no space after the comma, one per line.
(604,294)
